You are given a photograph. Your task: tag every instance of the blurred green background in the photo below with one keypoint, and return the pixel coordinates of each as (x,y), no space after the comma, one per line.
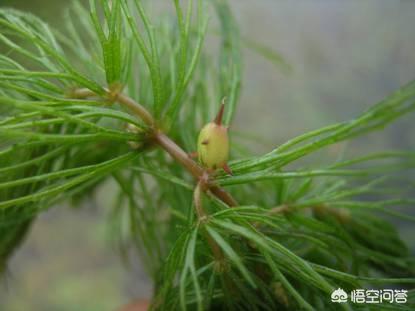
(346,55)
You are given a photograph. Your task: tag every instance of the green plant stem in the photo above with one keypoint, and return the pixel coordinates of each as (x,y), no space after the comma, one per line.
(202,216)
(160,138)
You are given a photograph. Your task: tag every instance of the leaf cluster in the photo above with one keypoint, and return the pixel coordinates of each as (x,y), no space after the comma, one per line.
(297,233)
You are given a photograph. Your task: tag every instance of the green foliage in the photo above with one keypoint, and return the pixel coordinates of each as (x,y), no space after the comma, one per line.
(298,233)
(111,42)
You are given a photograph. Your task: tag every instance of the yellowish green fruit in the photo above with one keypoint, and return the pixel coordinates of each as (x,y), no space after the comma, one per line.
(213,145)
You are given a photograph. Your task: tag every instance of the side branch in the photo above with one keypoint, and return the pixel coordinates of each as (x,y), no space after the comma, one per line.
(183,158)
(201,215)
(138,110)
(178,154)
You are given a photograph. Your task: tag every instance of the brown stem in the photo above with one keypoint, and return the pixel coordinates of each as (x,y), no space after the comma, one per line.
(178,154)
(197,198)
(183,158)
(136,108)
(201,215)
(223,195)
(163,141)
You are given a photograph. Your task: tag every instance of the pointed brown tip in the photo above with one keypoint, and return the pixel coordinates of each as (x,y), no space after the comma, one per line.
(227,169)
(219,116)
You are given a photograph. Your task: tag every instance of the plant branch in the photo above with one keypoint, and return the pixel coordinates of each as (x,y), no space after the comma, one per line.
(202,217)
(136,108)
(165,142)
(197,199)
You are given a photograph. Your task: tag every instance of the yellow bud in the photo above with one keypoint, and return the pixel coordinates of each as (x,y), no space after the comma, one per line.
(213,143)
